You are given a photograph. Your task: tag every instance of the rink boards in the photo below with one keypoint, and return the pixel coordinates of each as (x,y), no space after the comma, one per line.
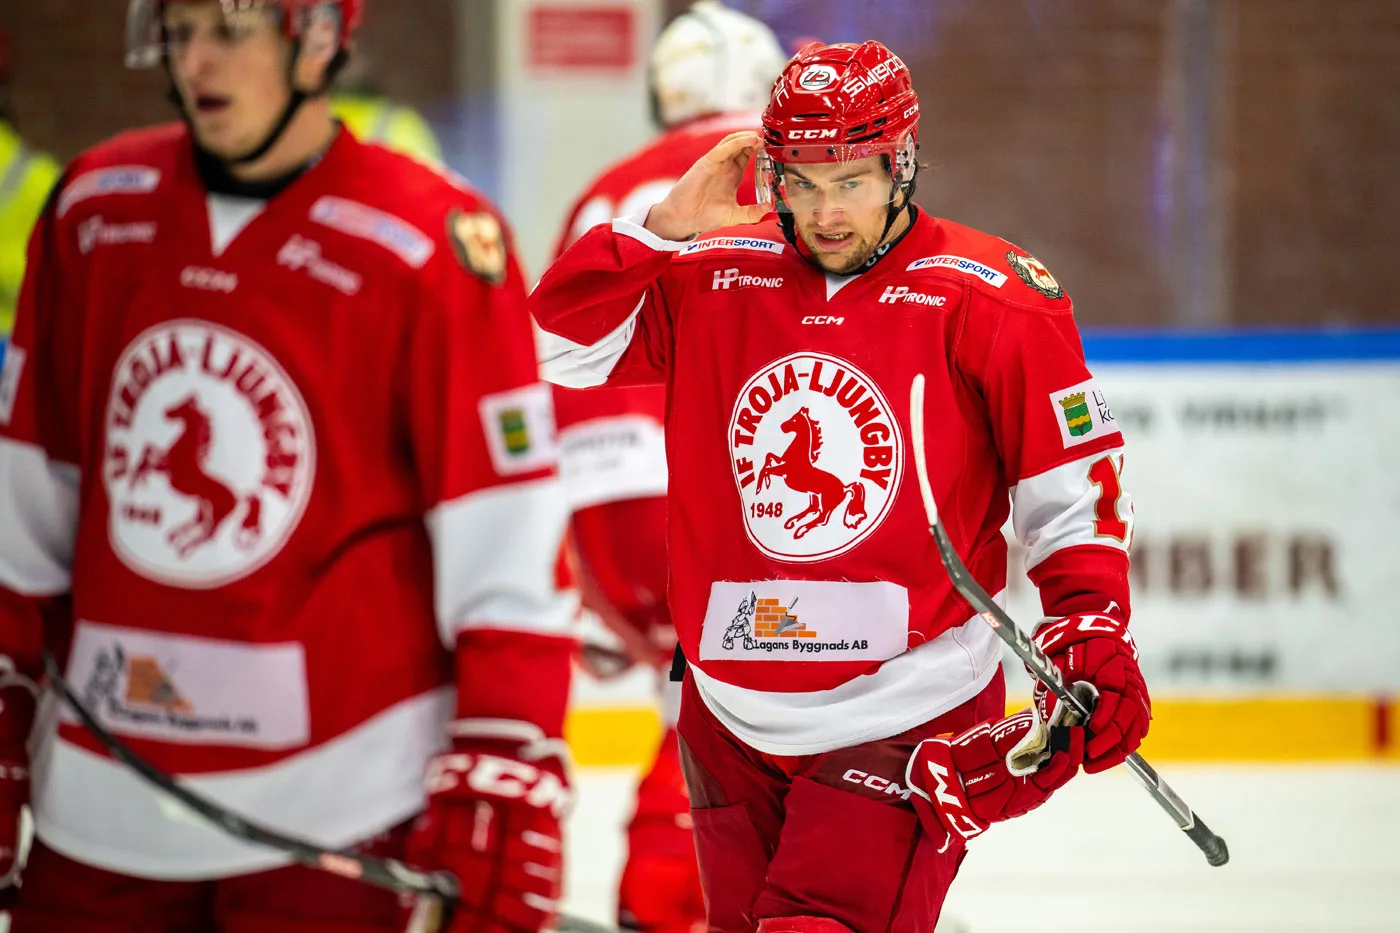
(1263,472)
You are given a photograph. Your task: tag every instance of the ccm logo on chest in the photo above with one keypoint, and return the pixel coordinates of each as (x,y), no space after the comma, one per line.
(726,279)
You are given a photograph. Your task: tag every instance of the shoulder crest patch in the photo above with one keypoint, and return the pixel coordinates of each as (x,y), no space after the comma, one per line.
(479,243)
(1033,272)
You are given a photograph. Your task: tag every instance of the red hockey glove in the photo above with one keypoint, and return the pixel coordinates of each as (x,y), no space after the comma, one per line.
(17,694)
(660,890)
(1097,649)
(992,772)
(494,806)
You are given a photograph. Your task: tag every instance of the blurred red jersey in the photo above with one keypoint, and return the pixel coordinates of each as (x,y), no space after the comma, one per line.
(291,462)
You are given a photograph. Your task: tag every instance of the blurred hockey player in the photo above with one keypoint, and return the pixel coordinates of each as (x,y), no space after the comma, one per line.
(710,73)
(841,728)
(278,486)
(26,178)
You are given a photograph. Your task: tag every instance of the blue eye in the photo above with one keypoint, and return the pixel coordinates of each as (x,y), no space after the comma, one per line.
(850,185)
(805,185)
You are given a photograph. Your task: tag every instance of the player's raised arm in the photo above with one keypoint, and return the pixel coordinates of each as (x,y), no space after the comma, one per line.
(482,431)
(1064,459)
(604,306)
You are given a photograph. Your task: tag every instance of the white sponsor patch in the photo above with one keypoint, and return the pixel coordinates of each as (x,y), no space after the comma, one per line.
(9,380)
(960,264)
(817,456)
(396,235)
(1082,413)
(754,244)
(519,427)
(612,459)
(120,179)
(725,279)
(95,232)
(300,253)
(191,691)
(805,620)
(209,457)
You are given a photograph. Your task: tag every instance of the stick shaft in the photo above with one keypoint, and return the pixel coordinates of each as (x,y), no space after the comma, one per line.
(1029,652)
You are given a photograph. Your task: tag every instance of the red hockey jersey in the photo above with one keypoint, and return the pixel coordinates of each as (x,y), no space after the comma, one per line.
(804,584)
(292,462)
(611,444)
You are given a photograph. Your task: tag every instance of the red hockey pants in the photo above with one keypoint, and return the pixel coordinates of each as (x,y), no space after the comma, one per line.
(829,835)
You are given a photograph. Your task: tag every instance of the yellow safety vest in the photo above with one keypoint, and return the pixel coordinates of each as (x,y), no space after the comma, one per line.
(26,177)
(374,119)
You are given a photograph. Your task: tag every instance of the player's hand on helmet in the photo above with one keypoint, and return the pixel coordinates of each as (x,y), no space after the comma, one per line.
(492,820)
(706,197)
(992,772)
(1097,649)
(17,703)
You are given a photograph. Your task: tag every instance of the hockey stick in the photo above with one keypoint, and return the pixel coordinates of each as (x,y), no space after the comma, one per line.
(387,873)
(1029,652)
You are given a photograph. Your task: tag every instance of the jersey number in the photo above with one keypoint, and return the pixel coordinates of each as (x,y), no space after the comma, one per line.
(1103,473)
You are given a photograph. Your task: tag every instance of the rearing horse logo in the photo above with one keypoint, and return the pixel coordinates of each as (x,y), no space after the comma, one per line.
(183,464)
(797,468)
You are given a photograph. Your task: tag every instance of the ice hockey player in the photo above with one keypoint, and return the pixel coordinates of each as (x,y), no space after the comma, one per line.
(710,73)
(277,477)
(825,641)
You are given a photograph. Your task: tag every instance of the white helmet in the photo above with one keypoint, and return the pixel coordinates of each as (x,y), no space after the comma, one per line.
(711,59)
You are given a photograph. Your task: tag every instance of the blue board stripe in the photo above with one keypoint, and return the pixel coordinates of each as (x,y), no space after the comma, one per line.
(1263,346)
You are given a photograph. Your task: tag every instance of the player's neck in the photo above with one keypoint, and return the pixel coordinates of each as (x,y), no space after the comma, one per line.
(901,225)
(308,135)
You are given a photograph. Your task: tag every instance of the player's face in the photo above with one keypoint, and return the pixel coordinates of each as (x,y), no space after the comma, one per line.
(231,72)
(839,209)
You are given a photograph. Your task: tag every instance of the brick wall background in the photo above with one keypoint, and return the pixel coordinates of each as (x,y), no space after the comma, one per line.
(1206,162)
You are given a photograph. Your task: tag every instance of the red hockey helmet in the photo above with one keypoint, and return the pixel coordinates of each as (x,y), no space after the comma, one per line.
(839,103)
(145,37)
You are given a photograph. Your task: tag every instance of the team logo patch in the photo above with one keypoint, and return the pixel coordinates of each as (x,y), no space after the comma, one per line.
(210,455)
(1033,272)
(732,242)
(817,78)
(121,179)
(817,457)
(960,264)
(360,220)
(479,244)
(1082,413)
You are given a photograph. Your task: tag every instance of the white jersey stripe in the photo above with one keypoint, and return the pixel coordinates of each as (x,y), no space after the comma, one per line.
(489,580)
(39,519)
(1057,509)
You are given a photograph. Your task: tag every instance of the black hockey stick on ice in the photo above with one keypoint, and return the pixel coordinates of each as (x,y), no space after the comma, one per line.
(1029,652)
(387,873)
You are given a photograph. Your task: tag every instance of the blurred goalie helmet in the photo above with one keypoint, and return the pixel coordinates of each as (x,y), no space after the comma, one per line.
(712,59)
(145,36)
